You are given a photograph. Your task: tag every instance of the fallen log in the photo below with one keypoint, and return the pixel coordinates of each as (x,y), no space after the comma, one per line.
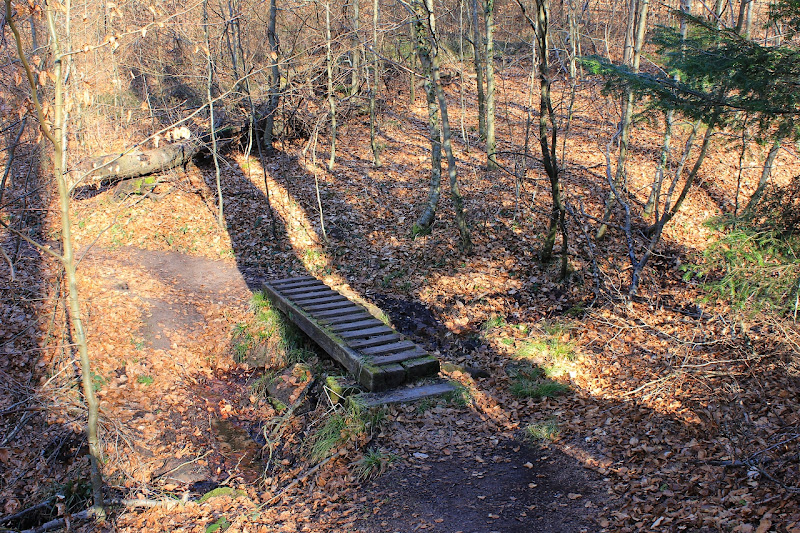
(126,165)
(116,167)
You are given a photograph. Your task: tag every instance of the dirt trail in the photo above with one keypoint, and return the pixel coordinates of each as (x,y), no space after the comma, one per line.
(456,469)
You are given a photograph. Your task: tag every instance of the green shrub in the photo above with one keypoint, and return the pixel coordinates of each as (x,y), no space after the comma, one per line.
(755,269)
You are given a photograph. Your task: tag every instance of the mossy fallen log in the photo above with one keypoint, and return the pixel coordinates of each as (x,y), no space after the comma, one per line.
(116,167)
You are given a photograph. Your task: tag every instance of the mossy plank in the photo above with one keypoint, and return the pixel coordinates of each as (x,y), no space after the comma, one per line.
(324,307)
(395,347)
(374,341)
(334,312)
(357,315)
(288,281)
(420,367)
(376,399)
(399,357)
(346,325)
(368,332)
(315,290)
(321,299)
(303,283)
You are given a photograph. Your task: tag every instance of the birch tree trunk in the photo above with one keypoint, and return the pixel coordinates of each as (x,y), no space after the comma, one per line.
(423,46)
(355,80)
(373,90)
(209,83)
(425,28)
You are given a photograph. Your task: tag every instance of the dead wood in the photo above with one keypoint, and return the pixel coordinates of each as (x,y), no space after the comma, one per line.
(133,164)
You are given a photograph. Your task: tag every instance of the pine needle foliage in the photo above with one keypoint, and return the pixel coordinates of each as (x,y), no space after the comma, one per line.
(718,75)
(755,265)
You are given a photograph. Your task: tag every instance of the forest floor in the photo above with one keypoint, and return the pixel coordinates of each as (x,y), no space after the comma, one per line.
(663,413)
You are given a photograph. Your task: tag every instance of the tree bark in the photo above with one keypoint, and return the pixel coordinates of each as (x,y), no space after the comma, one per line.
(478,49)
(275,80)
(209,84)
(373,89)
(627,113)
(331,97)
(548,136)
(491,142)
(762,182)
(424,222)
(56,134)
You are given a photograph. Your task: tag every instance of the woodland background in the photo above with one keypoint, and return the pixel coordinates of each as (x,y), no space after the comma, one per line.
(586,210)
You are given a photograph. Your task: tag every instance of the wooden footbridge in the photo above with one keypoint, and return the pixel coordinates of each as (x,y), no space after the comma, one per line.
(379,357)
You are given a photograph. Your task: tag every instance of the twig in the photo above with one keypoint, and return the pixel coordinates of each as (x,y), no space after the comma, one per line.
(185,463)
(10,264)
(16,429)
(22,513)
(308,473)
(88,513)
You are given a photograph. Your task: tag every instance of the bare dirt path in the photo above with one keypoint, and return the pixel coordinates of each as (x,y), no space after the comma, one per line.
(454,469)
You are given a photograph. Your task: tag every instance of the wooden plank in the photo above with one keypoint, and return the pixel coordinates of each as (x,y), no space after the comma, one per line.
(374,341)
(376,399)
(334,312)
(367,322)
(319,299)
(308,290)
(314,295)
(285,281)
(312,307)
(361,333)
(420,367)
(400,357)
(336,321)
(298,284)
(389,348)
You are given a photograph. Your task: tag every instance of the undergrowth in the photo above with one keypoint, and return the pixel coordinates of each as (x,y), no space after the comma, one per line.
(373,464)
(269,339)
(351,423)
(755,266)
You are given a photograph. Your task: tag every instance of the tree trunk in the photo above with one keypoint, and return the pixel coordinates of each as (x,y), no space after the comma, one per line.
(655,192)
(331,98)
(423,46)
(548,136)
(478,49)
(491,142)
(455,193)
(275,81)
(56,137)
(209,84)
(762,182)
(373,90)
(355,80)
(627,114)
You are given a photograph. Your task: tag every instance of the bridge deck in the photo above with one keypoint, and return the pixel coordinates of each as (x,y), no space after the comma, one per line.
(378,356)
